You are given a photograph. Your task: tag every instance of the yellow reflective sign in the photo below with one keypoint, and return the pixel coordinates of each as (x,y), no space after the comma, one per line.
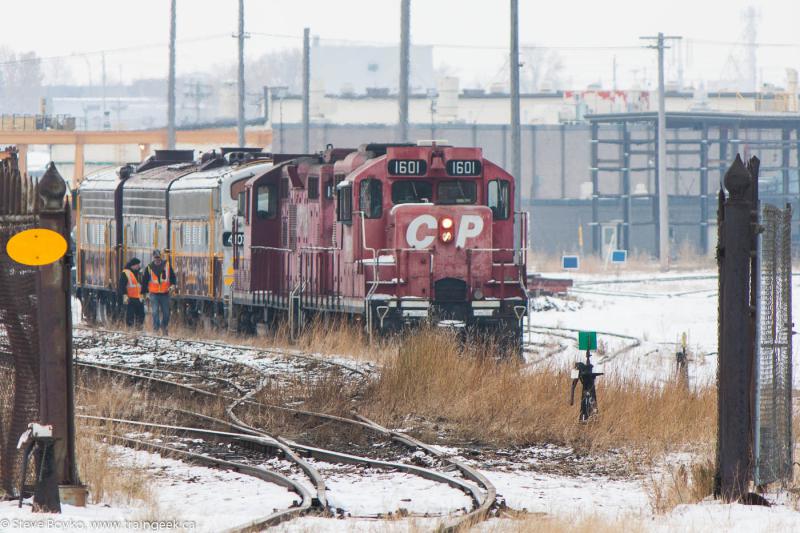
(35,247)
(229,271)
(229,280)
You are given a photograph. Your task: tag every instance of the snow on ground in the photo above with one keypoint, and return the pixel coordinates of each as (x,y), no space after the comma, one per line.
(192,498)
(119,348)
(314,524)
(566,496)
(651,308)
(368,492)
(655,308)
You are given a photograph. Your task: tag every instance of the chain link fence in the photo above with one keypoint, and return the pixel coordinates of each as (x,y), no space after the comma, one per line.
(773,410)
(19,336)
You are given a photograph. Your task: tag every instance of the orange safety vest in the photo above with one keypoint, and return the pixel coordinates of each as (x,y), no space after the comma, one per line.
(134,287)
(156,286)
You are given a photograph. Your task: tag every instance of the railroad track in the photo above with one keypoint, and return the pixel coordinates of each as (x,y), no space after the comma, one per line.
(238,396)
(183,346)
(570,334)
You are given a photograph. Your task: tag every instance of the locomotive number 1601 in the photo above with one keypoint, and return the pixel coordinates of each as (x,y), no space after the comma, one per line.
(407,167)
(463,167)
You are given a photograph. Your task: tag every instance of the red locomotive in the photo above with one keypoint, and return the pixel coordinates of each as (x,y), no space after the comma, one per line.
(394,233)
(391,234)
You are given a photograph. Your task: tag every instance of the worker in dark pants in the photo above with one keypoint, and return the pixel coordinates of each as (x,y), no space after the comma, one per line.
(130,289)
(158,281)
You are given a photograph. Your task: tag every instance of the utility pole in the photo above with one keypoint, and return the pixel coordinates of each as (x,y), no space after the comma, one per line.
(661,171)
(266,99)
(306,88)
(750,16)
(614,72)
(106,122)
(171,81)
(240,80)
(516,142)
(405,63)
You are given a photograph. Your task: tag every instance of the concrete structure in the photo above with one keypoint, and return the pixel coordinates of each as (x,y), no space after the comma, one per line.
(143,104)
(348,69)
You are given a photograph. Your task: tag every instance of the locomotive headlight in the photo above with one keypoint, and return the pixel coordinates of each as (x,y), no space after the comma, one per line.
(446,229)
(477,294)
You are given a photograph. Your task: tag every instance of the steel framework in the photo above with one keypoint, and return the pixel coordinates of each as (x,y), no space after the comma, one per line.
(699,146)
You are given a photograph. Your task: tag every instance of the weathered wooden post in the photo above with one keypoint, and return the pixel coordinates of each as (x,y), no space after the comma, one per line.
(736,355)
(55,350)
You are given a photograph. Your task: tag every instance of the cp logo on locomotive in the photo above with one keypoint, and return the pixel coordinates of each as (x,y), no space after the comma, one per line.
(421,231)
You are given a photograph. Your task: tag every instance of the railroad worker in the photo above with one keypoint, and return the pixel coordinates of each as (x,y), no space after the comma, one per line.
(158,281)
(130,289)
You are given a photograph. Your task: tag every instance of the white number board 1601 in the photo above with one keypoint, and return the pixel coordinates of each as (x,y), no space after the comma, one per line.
(407,167)
(464,167)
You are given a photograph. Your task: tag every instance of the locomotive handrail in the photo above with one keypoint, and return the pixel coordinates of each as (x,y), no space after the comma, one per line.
(318,249)
(375,275)
(273,248)
(521,271)
(523,237)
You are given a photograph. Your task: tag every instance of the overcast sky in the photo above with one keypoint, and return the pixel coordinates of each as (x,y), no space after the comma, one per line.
(60,27)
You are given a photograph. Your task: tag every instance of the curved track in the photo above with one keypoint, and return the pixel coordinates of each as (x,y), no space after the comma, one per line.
(471,482)
(632,342)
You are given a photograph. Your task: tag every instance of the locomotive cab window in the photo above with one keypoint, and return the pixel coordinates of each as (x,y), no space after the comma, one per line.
(498,199)
(370,198)
(411,192)
(266,201)
(344,204)
(456,192)
(241,204)
(313,187)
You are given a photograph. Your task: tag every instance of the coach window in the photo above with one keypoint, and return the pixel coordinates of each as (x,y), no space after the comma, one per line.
(456,192)
(344,205)
(411,192)
(313,187)
(498,199)
(370,198)
(266,201)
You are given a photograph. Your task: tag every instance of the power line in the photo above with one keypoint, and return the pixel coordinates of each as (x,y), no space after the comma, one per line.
(562,47)
(135,48)
(464,46)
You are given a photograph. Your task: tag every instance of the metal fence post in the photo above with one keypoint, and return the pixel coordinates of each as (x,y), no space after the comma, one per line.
(736,357)
(55,353)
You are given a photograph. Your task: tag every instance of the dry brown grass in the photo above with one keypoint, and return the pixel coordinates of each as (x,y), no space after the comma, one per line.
(433,384)
(681,484)
(98,467)
(686,257)
(331,336)
(472,396)
(107,480)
